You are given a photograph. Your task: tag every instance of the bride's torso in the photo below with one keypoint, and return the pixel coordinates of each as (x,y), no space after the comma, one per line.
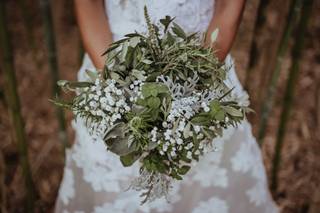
(126,16)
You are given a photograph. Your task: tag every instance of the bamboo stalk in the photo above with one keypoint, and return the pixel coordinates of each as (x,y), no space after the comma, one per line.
(2,98)
(292,18)
(13,102)
(254,53)
(292,81)
(53,65)
(27,21)
(3,196)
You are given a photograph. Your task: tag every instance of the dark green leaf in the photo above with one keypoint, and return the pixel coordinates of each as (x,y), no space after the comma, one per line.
(166,22)
(183,170)
(128,160)
(154,102)
(176,29)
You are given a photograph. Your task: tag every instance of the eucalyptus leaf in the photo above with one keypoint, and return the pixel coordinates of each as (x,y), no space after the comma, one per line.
(176,29)
(130,159)
(201,120)
(153,102)
(232,111)
(93,75)
(186,131)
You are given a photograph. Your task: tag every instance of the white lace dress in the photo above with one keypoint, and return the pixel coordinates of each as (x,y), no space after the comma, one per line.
(231,179)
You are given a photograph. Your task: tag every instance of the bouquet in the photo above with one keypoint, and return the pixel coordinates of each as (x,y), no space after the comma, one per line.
(160,100)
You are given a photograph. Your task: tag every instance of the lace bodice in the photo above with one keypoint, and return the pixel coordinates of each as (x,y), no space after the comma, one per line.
(126,16)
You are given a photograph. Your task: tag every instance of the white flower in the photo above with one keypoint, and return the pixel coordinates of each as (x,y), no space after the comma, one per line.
(189,155)
(203,104)
(100,113)
(179,141)
(118,92)
(196,128)
(173,153)
(200,136)
(103,100)
(164,147)
(206,109)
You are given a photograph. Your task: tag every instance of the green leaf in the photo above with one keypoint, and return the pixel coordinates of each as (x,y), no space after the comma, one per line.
(176,29)
(232,111)
(153,102)
(219,115)
(215,106)
(129,159)
(147,61)
(93,75)
(130,35)
(201,120)
(153,89)
(153,76)
(186,131)
(183,170)
(166,22)
(120,146)
(112,47)
(170,39)
(117,141)
(138,74)
(134,41)
(152,145)
(117,130)
(154,92)
(74,84)
(175,175)
(129,56)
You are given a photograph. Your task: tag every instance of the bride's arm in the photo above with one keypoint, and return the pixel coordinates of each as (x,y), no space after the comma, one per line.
(94,29)
(227,17)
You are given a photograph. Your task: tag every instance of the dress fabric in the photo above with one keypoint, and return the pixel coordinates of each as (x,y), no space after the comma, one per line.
(230,179)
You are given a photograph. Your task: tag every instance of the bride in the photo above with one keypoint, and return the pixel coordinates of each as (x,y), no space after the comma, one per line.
(230,179)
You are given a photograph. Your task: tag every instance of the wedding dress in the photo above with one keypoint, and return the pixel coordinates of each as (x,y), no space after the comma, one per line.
(230,179)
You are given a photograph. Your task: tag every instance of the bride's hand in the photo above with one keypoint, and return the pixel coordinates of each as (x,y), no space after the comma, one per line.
(227,17)
(94,28)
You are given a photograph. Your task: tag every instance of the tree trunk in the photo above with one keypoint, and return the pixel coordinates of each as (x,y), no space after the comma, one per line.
(292,81)
(3,196)
(53,65)
(13,102)
(254,52)
(27,21)
(293,15)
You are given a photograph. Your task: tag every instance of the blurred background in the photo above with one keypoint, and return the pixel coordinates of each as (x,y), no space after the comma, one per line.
(277,56)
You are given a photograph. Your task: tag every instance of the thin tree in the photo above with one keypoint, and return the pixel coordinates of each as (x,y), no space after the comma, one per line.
(13,102)
(53,64)
(258,26)
(292,19)
(3,196)
(27,21)
(289,93)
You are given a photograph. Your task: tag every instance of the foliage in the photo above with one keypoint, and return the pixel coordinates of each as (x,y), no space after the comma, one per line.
(161,99)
